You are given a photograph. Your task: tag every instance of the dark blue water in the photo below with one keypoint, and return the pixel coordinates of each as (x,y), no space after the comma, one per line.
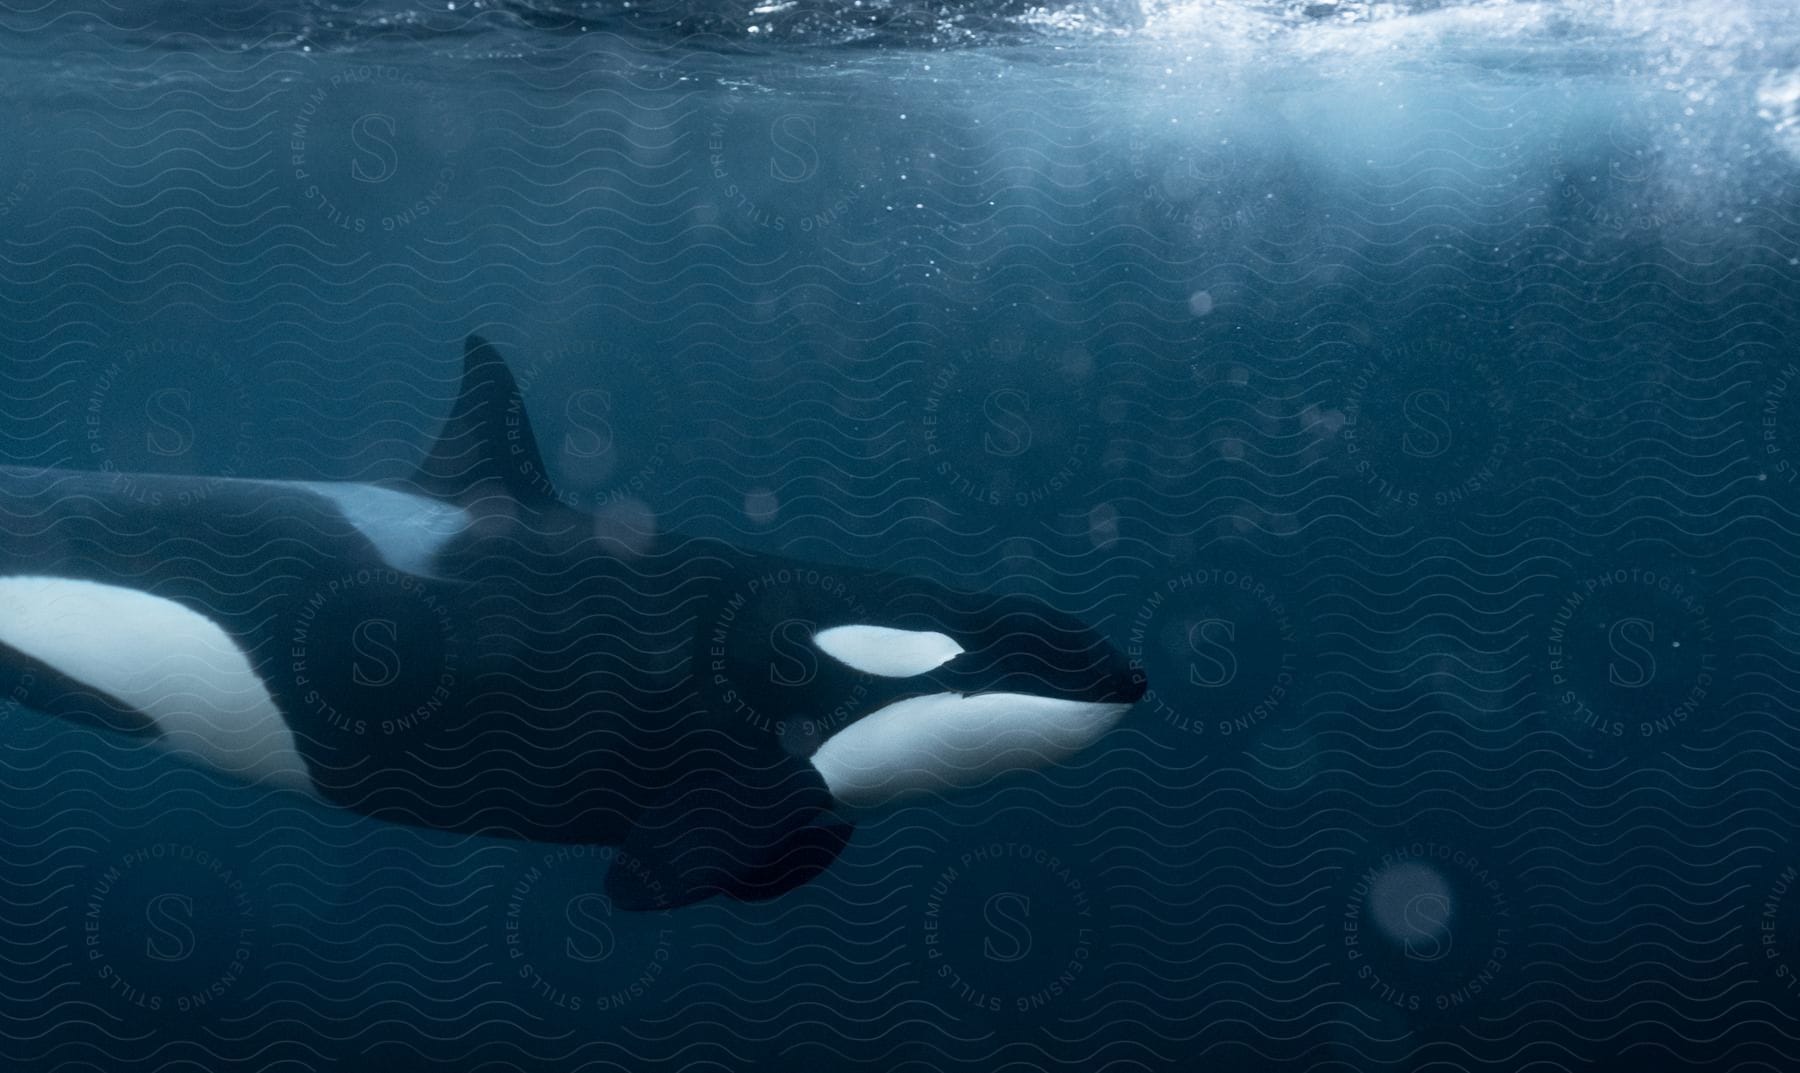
(1408,388)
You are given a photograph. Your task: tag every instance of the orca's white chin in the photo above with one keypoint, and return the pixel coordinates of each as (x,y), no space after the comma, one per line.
(949,741)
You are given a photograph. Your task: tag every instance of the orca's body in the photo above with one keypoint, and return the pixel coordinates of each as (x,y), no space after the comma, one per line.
(462,651)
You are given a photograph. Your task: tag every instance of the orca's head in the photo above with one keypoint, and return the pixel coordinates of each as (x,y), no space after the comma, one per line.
(955,689)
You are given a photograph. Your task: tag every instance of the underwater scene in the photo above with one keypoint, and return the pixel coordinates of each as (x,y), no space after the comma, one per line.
(900,535)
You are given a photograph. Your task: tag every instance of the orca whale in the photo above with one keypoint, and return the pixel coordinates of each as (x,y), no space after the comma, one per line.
(466,650)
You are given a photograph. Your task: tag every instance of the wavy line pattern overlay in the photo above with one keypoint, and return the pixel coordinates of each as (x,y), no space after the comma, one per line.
(1413,391)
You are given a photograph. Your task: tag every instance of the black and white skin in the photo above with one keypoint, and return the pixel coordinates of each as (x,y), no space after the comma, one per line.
(464,650)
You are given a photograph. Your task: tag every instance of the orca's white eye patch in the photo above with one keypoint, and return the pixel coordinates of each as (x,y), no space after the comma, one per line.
(886,651)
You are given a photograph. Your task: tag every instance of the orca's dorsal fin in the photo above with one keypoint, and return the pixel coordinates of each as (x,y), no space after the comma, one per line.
(487,446)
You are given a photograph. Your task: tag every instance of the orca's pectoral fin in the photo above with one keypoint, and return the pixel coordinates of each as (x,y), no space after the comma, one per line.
(752,834)
(802,857)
